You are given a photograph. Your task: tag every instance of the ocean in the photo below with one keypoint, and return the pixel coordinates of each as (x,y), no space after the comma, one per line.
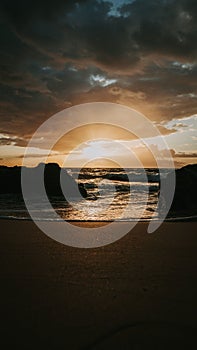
(112,194)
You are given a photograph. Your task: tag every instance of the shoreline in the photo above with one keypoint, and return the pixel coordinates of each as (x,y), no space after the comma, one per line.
(192,218)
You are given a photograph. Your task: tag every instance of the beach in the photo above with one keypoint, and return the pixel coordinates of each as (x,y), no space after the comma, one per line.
(136,293)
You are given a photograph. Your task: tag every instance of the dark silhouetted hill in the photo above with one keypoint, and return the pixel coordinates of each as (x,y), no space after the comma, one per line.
(185,197)
(10,180)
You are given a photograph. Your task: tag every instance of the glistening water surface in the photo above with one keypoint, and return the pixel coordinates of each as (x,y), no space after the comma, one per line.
(113,194)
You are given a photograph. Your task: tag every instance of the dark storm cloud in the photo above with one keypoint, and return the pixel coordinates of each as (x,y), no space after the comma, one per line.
(69,30)
(84,31)
(50,51)
(165,27)
(70,79)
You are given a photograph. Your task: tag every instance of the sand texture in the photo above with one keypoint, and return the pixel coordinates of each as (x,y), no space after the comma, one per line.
(137,293)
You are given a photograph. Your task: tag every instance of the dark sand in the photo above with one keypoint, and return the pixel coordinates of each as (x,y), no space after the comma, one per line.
(137,293)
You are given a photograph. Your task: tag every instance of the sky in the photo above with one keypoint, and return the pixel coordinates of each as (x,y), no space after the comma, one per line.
(138,53)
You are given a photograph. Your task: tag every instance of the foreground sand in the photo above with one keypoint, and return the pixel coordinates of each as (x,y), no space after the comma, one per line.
(137,293)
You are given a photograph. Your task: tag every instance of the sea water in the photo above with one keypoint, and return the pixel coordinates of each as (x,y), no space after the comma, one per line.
(112,194)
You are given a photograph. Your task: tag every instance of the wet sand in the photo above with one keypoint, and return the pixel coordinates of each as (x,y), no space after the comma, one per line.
(137,293)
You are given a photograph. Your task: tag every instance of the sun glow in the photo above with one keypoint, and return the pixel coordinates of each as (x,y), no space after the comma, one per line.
(97,149)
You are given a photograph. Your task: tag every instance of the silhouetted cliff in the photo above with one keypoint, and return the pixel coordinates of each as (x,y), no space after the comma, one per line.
(10,180)
(185,197)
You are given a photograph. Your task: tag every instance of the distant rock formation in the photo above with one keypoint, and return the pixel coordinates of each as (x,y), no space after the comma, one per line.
(185,197)
(10,181)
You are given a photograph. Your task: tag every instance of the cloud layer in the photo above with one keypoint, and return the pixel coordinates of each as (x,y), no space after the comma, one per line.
(55,54)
